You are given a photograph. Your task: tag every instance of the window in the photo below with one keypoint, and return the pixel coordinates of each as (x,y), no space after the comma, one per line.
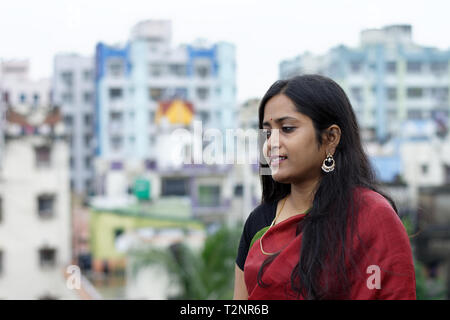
(181,93)
(156,94)
(67,78)
(117,233)
(116,116)
(357,94)
(414,66)
(174,187)
(87,75)
(67,97)
(238,190)
(46,206)
(439,66)
(356,66)
(391,93)
(68,121)
(116,68)
(47,257)
(88,185)
(87,120)
(391,67)
(204,115)
(23,98)
(202,93)
(177,70)
(156,70)
(6,97)
(209,196)
(116,165)
(115,93)
(42,156)
(70,138)
(203,71)
(414,114)
(447,173)
(116,142)
(424,168)
(440,94)
(36,99)
(87,162)
(87,97)
(414,93)
(87,140)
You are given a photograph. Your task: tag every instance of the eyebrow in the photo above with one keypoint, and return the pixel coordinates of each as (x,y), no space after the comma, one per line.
(266,123)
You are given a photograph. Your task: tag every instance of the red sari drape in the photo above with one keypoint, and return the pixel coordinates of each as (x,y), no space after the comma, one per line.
(384,263)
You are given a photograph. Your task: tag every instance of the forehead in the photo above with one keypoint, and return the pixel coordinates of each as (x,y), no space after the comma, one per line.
(281,106)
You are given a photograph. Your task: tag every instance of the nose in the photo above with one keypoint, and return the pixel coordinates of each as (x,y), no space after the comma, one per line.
(272,143)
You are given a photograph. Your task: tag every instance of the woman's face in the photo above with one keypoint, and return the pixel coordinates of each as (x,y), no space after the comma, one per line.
(296,141)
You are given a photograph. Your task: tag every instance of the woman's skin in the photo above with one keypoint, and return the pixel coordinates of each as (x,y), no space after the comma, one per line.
(302,168)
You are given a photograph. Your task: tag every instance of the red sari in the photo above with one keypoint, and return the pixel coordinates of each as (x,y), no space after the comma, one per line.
(384,270)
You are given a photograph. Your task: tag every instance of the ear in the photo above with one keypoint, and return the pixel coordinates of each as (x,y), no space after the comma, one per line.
(332,136)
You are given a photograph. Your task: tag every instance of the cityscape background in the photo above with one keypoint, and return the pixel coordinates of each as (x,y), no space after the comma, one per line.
(91,94)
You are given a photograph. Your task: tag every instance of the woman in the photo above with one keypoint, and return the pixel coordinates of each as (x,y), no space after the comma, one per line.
(323,229)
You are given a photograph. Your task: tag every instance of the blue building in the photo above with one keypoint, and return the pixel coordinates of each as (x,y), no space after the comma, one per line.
(132,80)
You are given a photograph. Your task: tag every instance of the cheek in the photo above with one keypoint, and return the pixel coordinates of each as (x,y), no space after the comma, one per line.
(303,151)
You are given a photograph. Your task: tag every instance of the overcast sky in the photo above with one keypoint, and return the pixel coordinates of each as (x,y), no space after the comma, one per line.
(264,32)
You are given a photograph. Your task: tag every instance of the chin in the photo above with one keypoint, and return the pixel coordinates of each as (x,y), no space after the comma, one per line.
(281,178)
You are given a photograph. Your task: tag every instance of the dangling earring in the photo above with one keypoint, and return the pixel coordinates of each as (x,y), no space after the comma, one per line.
(328,164)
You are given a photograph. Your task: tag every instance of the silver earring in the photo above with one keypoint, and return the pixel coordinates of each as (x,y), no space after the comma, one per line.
(328,164)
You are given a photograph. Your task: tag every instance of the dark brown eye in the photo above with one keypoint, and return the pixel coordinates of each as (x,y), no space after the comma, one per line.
(288,129)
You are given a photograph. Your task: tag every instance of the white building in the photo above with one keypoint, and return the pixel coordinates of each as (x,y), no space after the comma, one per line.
(74,92)
(16,88)
(245,177)
(389,79)
(19,89)
(416,156)
(34,206)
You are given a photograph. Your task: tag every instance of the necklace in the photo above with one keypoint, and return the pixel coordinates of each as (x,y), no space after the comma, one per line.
(271,225)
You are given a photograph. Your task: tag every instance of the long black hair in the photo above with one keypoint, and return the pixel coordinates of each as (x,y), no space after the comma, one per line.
(325,248)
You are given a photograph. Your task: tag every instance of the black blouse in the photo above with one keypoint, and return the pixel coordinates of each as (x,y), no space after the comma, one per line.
(262,216)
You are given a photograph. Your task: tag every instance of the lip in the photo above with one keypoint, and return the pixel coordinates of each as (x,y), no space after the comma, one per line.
(276,160)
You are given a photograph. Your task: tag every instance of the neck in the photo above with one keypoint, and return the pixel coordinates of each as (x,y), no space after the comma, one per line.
(302,194)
